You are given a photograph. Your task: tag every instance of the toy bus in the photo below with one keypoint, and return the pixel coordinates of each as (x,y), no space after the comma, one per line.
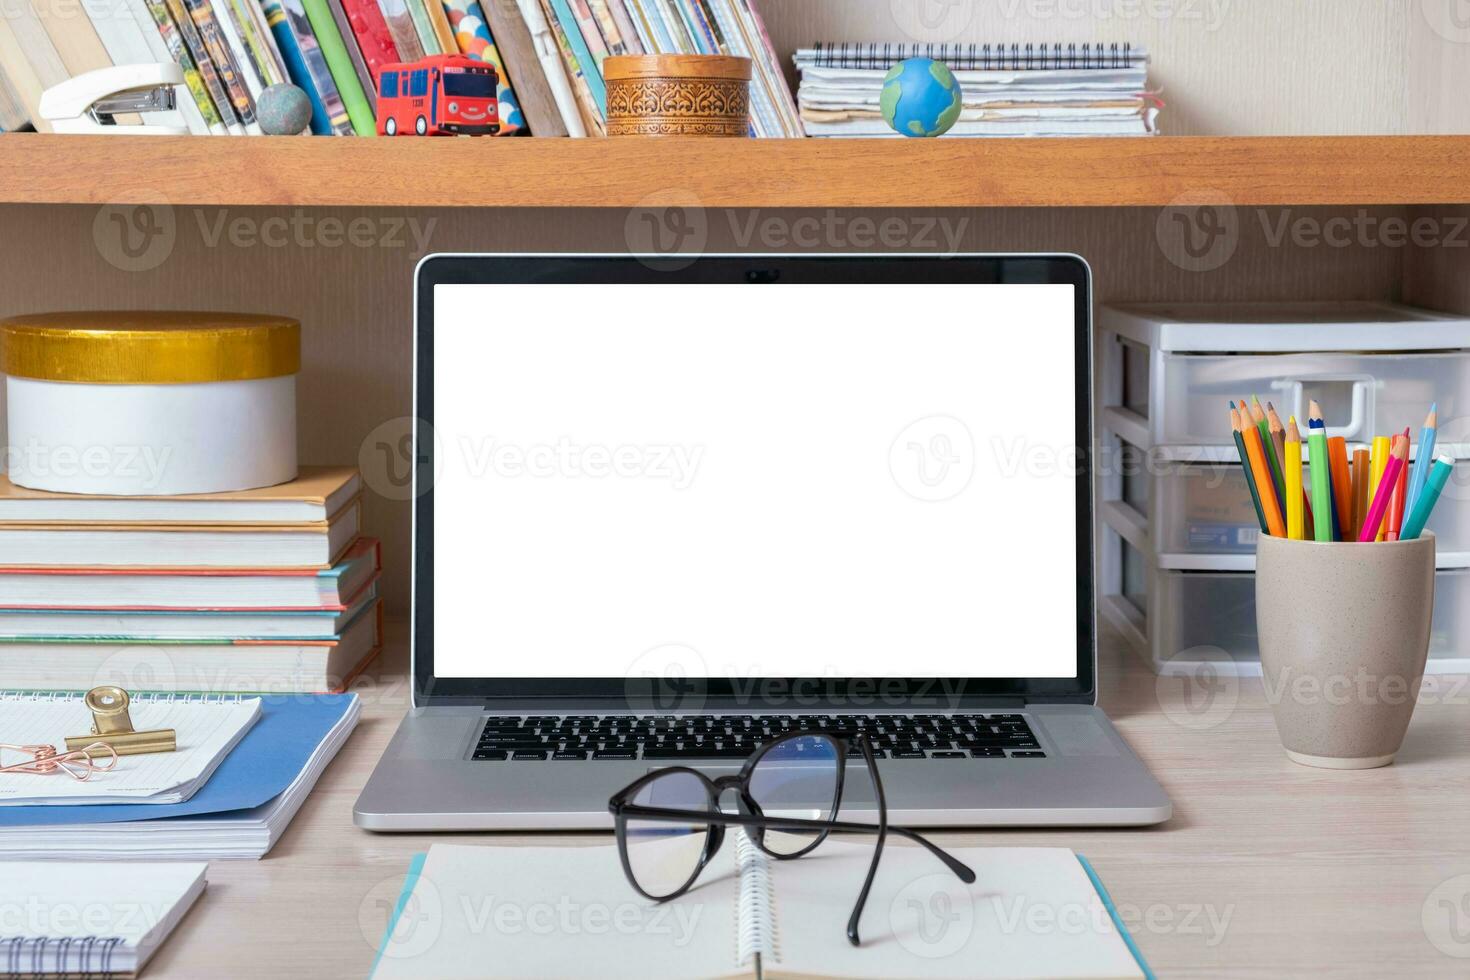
(441,95)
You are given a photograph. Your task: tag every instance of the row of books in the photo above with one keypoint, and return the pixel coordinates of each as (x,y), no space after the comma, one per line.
(586,32)
(232,50)
(547,53)
(271,590)
(1008,89)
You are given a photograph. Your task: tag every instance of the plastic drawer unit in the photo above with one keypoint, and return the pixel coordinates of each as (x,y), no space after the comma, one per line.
(1177,533)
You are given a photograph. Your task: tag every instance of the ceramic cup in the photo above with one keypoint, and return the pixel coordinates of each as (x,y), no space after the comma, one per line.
(1344,631)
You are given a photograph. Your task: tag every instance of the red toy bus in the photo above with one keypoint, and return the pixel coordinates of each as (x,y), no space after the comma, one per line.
(441,95)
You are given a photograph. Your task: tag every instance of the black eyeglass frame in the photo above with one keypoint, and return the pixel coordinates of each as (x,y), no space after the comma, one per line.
(622,808)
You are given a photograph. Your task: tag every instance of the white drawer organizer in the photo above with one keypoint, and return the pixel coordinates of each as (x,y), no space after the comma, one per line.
(1177,533)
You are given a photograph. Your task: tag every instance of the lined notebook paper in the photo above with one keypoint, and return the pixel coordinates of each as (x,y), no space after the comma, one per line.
(206,729)
(90,919)
(474,911)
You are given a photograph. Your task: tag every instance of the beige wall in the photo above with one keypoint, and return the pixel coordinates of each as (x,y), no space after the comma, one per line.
(1226,67)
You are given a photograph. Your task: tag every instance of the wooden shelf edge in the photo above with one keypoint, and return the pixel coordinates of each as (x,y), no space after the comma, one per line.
(951,173)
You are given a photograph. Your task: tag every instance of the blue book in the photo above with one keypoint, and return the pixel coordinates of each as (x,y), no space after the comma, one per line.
(591,70)
(275,15)
(255,792)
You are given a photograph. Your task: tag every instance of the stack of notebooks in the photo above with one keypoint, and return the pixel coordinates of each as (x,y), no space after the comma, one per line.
(242,769)
(548,54)
(269,590)
(1009,89)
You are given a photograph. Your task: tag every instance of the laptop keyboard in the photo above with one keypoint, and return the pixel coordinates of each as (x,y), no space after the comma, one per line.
(667,738)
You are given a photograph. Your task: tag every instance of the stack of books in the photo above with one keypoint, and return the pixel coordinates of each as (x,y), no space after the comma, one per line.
(548,55)
(1009,89)
(270,590)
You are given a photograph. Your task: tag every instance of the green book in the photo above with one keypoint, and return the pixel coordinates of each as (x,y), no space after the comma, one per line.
(339,62)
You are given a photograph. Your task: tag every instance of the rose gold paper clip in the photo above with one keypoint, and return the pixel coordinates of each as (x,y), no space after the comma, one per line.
(43,761)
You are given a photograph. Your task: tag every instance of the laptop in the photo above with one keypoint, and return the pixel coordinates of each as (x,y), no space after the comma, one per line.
(664,512)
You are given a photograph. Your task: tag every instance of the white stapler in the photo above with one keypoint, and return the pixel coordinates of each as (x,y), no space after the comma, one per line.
(88,103)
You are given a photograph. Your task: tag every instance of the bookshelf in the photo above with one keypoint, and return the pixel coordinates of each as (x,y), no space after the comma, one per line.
(432,173)
(1103,199)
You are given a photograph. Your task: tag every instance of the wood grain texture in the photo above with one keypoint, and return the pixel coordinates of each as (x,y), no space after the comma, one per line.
(1266,870)
(39,168)
(518,53)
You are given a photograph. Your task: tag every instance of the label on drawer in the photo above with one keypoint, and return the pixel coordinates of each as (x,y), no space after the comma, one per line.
(1224,537)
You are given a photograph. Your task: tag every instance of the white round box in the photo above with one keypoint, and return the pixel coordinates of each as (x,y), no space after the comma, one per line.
(150,404)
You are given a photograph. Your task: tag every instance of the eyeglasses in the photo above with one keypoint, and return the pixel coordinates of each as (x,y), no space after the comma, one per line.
(678,808)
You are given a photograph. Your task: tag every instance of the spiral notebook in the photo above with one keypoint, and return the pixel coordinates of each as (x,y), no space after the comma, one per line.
(107,921)
(474,911)
(978,57)
(206,729)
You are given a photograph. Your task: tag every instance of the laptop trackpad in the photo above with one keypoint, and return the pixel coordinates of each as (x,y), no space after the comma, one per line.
(857,786)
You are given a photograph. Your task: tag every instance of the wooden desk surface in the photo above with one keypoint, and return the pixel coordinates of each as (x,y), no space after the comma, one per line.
(1266,870)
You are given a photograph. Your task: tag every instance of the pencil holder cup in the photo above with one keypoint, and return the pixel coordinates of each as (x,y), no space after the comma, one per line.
(1344,632)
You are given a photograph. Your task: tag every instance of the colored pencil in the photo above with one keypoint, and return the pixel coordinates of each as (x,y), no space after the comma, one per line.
(1397,457)
(1268,443)
(1255,448)
(1439,475)
(1361,464)
(1321,475)
(1291,465)
(1260,472)
(1342,487)
(1277,445)
(1245,465)
(1425,458)
(1381,449)
(1396,504)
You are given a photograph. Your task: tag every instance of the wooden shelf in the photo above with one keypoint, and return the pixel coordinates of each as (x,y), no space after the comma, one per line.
(409,172)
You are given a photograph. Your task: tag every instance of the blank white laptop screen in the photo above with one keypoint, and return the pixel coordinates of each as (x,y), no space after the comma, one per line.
(754,481)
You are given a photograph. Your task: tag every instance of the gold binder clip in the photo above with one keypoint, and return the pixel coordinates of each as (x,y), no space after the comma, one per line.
(111,724)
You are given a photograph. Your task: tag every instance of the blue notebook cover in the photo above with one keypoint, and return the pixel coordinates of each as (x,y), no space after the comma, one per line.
(415,867)
(260,768)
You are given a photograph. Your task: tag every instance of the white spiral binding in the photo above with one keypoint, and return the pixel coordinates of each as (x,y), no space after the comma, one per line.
(88,956)
(755,934)
(141,697)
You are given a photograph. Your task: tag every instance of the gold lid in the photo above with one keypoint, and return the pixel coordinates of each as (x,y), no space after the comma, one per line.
(146,347)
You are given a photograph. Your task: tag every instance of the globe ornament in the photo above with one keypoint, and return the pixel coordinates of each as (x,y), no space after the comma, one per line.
(283,110)
(921,97)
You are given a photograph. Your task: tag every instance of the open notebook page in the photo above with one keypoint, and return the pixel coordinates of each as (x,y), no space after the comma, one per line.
(554,912)
(568,912)
(206,729)
(1032,912)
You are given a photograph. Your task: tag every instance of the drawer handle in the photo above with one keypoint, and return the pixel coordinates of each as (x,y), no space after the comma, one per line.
(1356,425)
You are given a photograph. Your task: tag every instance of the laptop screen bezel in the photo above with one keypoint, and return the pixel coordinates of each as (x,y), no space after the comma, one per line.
(770,271)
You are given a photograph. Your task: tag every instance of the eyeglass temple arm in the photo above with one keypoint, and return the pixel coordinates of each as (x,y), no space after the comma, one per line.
(862,899)
(960,869)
